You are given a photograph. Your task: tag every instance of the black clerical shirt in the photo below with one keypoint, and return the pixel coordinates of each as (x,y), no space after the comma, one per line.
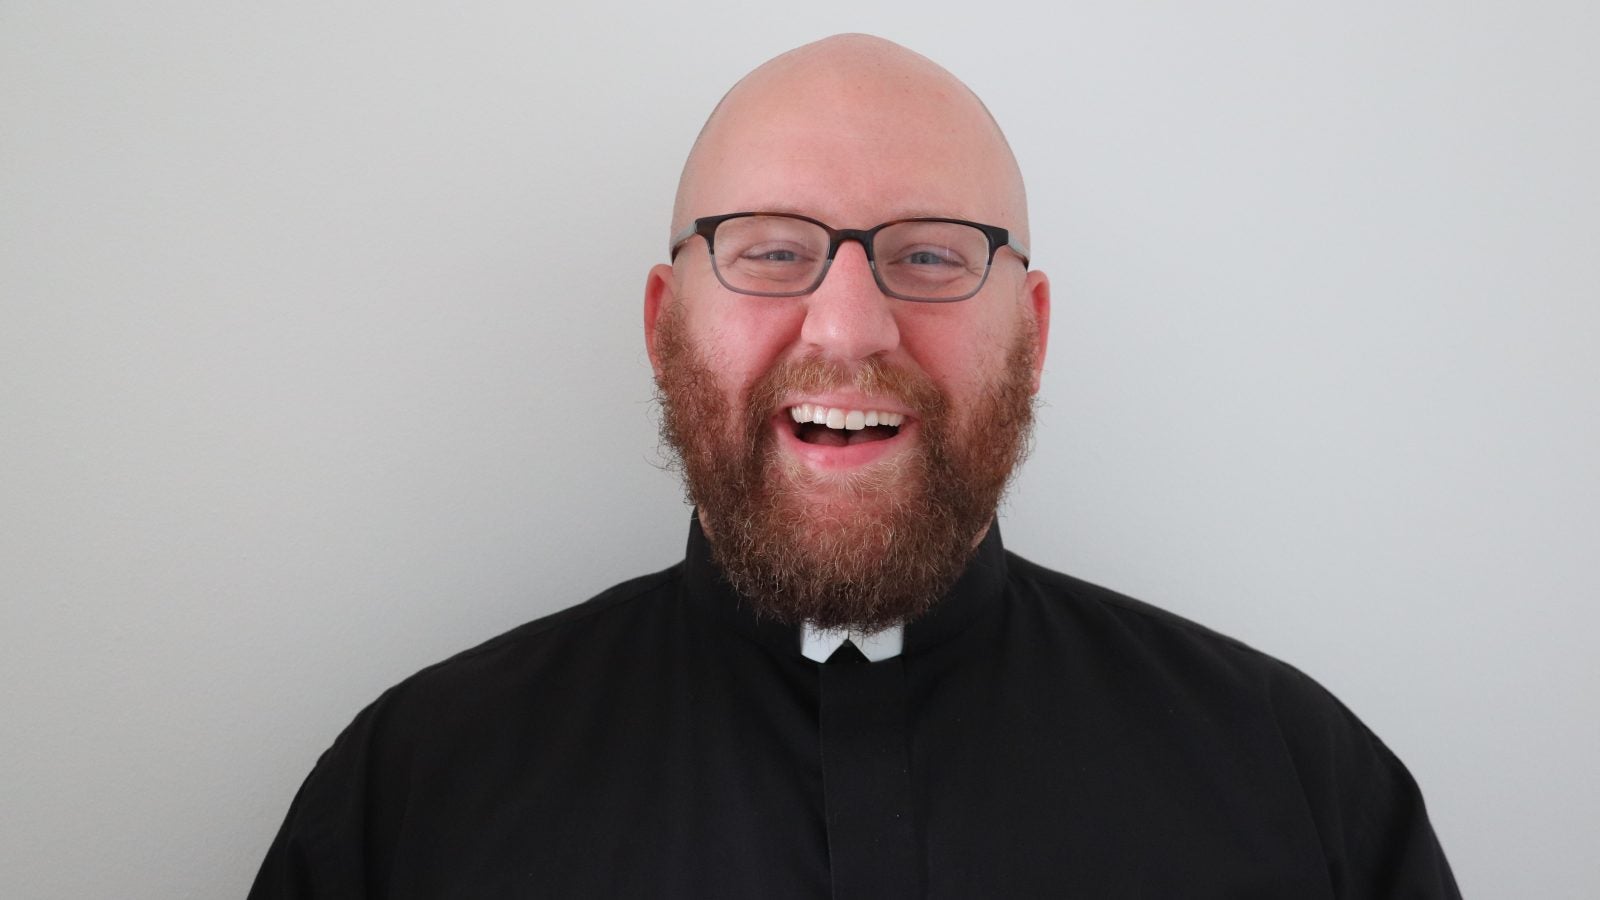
(1038,737)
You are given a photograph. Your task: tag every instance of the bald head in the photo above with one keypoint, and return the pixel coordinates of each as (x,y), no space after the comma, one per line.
(852,126)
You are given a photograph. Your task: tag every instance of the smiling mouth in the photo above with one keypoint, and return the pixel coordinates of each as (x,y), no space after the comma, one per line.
(835,427)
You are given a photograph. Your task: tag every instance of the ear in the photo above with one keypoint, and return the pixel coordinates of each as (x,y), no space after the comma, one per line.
(658,296)
(1036,294)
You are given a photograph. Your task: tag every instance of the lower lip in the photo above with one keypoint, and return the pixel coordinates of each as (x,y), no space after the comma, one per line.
(850,456)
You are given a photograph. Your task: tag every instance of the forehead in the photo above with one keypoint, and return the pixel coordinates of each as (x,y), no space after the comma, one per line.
(852,148)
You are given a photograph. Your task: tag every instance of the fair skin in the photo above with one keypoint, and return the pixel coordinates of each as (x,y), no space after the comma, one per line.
(852,131)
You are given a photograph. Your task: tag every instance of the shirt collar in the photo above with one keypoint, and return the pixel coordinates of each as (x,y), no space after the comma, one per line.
(817,644)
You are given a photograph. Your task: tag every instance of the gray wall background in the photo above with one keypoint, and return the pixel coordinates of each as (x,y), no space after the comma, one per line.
(320,360)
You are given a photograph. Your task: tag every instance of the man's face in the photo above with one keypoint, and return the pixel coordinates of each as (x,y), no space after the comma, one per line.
(854,525)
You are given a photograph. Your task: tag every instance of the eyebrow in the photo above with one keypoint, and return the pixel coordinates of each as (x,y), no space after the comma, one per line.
(682,235)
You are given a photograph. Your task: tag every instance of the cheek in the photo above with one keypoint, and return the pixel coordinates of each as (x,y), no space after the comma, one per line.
(742,341)
(960,354)
(968,358)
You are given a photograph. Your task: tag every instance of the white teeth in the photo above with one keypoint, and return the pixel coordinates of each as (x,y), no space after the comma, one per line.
(843,419)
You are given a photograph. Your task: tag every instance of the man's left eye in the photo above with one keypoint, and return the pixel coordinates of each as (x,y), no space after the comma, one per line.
(929,258)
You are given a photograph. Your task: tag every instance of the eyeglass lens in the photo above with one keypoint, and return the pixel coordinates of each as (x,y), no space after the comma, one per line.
(778,255)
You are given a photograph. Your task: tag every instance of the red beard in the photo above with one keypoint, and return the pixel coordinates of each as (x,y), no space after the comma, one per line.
(891,539)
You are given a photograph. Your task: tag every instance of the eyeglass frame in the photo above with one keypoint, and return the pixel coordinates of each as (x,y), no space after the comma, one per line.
(706,227)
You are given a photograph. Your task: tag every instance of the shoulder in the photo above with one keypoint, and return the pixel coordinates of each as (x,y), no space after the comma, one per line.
(622,607)
(475,710)
(1136,641)
(1050,586)
(563,645)
(1187,684)
(1121,624)
(537,662)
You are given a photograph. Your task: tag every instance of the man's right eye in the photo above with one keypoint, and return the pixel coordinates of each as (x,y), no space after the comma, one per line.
(770,254)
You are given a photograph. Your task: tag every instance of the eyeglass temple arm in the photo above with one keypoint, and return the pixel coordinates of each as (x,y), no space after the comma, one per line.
(679,239)
(1018,248)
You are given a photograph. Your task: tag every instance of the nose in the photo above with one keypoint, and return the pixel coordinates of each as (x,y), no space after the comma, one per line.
(847,317)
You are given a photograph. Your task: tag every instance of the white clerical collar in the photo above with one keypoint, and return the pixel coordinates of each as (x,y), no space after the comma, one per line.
(819,643)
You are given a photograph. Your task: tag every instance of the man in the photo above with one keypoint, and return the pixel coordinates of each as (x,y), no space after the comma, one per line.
(848,688)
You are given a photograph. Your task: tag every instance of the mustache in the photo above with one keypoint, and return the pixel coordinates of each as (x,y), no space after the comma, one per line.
(872,376)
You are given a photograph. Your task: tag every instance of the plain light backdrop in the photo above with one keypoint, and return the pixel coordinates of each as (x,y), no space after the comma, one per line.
(321,360)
